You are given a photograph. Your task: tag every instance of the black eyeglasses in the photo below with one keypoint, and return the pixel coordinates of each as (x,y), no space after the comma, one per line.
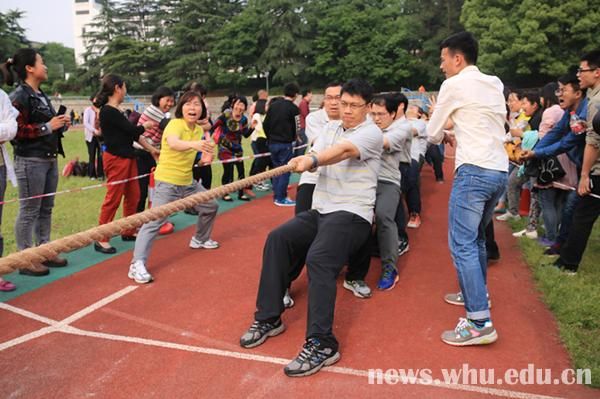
(579,70)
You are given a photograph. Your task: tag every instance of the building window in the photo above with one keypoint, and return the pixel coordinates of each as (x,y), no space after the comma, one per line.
(84,12)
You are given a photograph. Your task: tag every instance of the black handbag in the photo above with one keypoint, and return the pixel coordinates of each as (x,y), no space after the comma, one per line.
(550,170)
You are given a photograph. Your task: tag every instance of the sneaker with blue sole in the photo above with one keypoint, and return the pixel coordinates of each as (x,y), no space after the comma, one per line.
(388,279)
(312,358)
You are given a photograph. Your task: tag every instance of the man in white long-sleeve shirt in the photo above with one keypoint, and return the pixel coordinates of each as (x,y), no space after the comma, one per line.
(91,140)
(474,103)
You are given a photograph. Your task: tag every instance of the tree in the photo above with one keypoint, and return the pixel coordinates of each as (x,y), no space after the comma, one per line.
(192,28)
(59,59)
(267,36)
(531,42)
(370,39)
(12,34)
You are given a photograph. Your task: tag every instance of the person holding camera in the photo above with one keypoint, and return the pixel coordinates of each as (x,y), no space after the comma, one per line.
(36,146)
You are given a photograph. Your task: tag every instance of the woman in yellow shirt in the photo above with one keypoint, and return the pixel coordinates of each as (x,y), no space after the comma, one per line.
(181,140)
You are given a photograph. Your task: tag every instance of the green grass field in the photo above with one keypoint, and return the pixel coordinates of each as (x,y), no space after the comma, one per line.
(575,301)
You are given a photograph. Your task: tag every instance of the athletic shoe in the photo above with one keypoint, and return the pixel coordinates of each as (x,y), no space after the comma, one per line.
(403,247)
(458,299)
(493,257)
(259,331)
(544,242)
(139,273)
(359,288)
(285,202)
(311,359)
(508,216)
(526,233)
(388,279)
(568,270)
(7,286)
(414,222)
(35,270)
(467,333)
(208,244)
(261,187)
(288,301)
(554,250)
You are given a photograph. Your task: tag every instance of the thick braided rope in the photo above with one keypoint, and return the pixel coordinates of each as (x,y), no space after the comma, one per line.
(37,255)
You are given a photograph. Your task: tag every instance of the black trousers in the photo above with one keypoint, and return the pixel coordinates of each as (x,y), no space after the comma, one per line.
(491,246)
(435,158)
(203,173)
(304,197)
(94,154)
(260,164)
(145,163)
(585,216)
(228,173)
(325,243)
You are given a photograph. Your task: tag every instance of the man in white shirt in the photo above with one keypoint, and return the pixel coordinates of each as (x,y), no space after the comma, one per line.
(474,103)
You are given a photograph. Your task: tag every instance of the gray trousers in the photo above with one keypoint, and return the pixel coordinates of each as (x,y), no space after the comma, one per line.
(2,191)
(515,182)
(163,194)
(386,203)
(35,176)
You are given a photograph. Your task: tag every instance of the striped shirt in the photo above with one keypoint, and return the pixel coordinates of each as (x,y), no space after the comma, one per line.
(349,185)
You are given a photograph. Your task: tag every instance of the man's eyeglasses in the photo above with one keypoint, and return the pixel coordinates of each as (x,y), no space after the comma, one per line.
(352,106)
(332,98)
(580,70)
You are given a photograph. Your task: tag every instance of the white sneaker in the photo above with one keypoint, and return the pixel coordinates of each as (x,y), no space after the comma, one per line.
(288,302)
(208,244)
(508,216)
(138,272)
(526,233)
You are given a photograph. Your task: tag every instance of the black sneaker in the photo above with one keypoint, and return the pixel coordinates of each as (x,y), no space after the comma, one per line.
(311,359)
(403,247)
(259,331)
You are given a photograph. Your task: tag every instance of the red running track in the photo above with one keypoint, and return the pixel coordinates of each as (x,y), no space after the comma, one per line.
(178,337)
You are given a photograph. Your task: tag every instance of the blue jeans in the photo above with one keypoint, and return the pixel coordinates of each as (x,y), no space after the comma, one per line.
(474,195)
(552,201)
(568,212)
(281,153)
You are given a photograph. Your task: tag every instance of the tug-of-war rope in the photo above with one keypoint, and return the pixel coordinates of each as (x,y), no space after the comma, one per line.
(48,251)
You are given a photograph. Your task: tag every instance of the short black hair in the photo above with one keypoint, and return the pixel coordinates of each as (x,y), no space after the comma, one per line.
(358,87)
(592,58)
(399,98)
(305,92)
(291,90)
(383,100)
(161,92)
(333,84)
(241,99)
(195,86)
(464,43)
(533,96)
(571,80)
(186,97)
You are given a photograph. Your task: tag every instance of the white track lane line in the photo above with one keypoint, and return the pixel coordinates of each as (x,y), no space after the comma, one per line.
(65,327)
(54,325)
(280,361)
